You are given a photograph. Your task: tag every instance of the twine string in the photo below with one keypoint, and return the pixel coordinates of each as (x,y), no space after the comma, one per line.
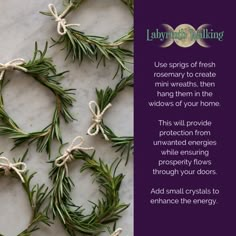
(97,119)
(67,156)
(60,19)
(15,64)
(18,167)
(117,232)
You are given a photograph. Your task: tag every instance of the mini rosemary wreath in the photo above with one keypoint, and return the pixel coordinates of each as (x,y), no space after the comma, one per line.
(124,144)
(43,71)
(36,195)
(79,45)
(106,211)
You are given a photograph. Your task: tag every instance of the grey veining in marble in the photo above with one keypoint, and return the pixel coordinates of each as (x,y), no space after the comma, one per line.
(31,105)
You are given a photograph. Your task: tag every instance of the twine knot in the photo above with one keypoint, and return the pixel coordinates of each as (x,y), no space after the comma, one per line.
(7,166)
(11,65)
(60,19)
(97,119)
(117,232)
(67,156)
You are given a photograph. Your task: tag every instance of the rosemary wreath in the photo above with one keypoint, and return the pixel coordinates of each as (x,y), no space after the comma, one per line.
(79,45)
(124,144)
(43,71)
(36,195)
(106,211)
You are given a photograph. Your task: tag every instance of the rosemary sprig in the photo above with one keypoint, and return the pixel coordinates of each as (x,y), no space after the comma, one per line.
(42,70)
(123,144)
(105,211)
(36,196)
(76,3)
(79,45)
(130,4)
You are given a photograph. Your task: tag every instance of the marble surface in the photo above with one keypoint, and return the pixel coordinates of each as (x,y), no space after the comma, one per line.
(31,105)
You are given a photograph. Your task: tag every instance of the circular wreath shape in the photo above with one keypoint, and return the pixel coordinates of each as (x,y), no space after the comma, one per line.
(36,195)
(41,69)
(80,45)
(105,211)
(123,144)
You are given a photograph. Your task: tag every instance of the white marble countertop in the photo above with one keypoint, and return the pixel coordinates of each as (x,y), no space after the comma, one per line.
(31,105)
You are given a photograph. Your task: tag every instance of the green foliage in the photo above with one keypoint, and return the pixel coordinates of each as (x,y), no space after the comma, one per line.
(42,70)
(123,144)
(37,196)
(130,4)
(105,211)
(79,45)
(77,3)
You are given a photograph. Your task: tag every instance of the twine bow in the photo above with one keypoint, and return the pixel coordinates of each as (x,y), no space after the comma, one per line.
(61,21)
(117,232)
(67,156)
(11,65)
(19,167)
(97,119)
